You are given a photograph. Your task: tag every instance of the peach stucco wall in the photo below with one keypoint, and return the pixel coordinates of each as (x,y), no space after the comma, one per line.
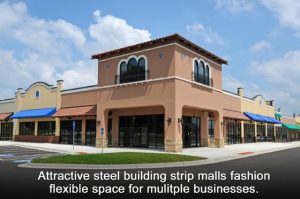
(79,99)
(159,66)
(288,120)
(231,102)
(184,66)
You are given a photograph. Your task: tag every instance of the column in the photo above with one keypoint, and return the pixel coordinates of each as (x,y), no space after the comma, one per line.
(219,137)
(35,128)
(16,128)
(173,130)
(101,140)
(57,126)
(242,132)
(255,131)
(83,131)
(0,129)
(204,129)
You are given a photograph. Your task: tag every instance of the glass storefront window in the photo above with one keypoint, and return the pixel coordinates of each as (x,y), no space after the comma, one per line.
(26,128)
(46,128)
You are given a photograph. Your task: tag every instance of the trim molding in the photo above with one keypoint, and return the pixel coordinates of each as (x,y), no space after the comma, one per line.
(157,47)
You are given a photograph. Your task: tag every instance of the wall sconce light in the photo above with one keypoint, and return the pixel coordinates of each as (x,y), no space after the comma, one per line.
(169,120)
(180,121)
(222,123)
(210,114)
(98,122)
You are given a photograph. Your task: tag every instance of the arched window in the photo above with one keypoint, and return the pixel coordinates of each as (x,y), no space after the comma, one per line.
(201,72)
(207,78)
(132,70)
(196,69)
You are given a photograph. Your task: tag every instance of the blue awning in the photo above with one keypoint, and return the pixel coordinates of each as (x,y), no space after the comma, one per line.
(34,113)
(262,118)
(254,117)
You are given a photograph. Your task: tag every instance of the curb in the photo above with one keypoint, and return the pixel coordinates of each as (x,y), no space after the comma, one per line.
(143,166)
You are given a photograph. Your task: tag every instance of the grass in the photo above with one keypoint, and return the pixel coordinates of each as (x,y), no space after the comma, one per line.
(117,158)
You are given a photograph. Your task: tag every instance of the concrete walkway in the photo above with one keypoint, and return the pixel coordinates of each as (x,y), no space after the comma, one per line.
(213,155)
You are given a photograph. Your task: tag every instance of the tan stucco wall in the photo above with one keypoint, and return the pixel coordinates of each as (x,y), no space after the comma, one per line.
(158,67)
(257,106)
(231,102)
(184,66)
(7,107)
(49,97)
(79,99)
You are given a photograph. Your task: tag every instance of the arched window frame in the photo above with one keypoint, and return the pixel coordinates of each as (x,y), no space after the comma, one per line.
(205,66)
(127,60)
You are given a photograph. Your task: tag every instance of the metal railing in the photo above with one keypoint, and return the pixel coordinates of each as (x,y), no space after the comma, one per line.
(132,77)
(202,79)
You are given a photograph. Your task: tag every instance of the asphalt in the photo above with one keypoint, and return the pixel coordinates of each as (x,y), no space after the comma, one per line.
(283,167)
(18,154)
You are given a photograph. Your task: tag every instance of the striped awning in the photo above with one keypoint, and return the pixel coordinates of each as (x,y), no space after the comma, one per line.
(76,111)
(4,116)
(234,115)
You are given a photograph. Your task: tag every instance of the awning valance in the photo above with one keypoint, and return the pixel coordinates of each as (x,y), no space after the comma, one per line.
(4,116)
(76,111)
(254,117)
(291,126)
(34,113)
(262,118)
(234,114)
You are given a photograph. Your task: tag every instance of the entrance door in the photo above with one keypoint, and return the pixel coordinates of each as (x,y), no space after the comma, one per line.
(140,131)
(90,133)
(191,131)
(66,132)
(6,131)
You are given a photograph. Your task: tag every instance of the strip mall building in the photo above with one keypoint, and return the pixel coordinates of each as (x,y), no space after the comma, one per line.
(165,93)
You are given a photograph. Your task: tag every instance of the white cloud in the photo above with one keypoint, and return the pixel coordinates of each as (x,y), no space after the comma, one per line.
(234,7)
(260,46)
(112,32)
(283,74)
(206,33)
(287,12)
(47,50)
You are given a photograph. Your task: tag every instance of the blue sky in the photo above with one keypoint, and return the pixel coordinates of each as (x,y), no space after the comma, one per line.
(50,40)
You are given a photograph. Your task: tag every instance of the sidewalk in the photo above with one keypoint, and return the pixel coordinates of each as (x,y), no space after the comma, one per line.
(213,155)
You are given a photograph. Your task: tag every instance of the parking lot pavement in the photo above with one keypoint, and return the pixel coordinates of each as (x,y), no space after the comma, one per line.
(18,154)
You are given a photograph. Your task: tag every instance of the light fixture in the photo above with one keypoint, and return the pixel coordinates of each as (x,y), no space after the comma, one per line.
(98,122)
(210,114)
(169,120)
(180,121)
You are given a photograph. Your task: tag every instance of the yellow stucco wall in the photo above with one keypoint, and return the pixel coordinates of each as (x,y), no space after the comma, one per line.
(49,97)
(298,120)
(258,106)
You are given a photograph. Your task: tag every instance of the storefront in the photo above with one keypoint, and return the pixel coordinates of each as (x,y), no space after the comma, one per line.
(141,131)
(6,127)
(78,124)
(249,132)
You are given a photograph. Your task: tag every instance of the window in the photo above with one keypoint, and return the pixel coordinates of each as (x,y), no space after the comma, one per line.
(26,128)
(46,128)
(201,72)
(135,69)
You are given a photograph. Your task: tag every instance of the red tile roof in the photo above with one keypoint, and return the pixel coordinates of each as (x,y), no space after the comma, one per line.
(159,42)
(4,116)
(234,114)
(76,111)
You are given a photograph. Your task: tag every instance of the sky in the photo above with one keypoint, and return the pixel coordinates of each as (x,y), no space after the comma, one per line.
(54,39)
